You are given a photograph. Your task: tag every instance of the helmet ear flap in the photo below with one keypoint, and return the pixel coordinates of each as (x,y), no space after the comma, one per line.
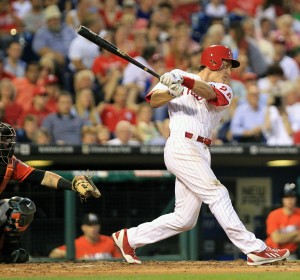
(215,64)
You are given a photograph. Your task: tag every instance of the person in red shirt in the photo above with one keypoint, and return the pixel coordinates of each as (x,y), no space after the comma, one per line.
(108,69)
(111,114)
(10,110)
(243,8)
(91,245)
(17,213)
(111,13)
(25,86)
(283,224)
(52,87)
(38,108)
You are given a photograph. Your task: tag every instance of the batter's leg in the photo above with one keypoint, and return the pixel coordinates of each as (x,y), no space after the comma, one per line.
(200,179)
(185,216)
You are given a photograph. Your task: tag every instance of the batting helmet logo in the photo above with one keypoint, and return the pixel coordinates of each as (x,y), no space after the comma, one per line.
(213,56)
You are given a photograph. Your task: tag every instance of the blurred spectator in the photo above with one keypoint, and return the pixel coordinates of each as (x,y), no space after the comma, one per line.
(84,107)
(103,134)
(146,130)
(181,45)
(182,9)
(41,137)
(46,38)
(89,135)
(84,79)
(25,86)
(247,46)
(237,73)
(216,8)
(13,63)
(82,52)
(285,30)
(250,79)
(27,132)
(289,65)
(145,9)
(3,73)
(34,19)
(108,69)
(10,23)
(38,107)
(214,36)
(21,7)
(53,90)
(129,7)
(271,9)
(163,127)
(238,9)
(138,81)
(111,12)
(271,83)
(291,96)
(248,119)
(111,114)
(283,224)
(124,135)
(122,36)
(63,126)
(162,14)
(263,39)
(91,245)
(194,60)
(277,127)
(47,68)
(11,110)
(48,3)
(75,17)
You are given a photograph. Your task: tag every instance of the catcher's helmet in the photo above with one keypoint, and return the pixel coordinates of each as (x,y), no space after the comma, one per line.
(7,142)
(289,189)
(212,57)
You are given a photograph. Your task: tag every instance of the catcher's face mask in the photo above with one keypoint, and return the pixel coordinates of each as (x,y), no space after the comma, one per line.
(7,142)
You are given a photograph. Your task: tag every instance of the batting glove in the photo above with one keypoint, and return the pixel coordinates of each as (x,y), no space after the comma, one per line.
(176,90)
(169,78)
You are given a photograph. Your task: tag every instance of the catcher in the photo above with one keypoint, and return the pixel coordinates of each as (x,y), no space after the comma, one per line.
(17,213)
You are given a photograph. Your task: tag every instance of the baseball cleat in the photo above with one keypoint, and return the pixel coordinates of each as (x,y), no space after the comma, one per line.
(269,255)
(121,241)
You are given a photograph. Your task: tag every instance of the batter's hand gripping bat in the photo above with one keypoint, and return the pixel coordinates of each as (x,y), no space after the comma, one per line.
(99,41)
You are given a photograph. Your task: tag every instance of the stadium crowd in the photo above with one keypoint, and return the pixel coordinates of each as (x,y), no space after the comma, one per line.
(56,87)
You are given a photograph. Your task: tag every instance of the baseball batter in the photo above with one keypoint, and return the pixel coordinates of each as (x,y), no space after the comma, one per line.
(17,213)
(196,104)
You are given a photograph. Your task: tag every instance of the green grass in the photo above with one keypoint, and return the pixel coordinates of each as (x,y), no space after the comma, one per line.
(227,276)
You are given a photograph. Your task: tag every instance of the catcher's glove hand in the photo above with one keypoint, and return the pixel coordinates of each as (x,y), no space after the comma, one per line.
(83,185)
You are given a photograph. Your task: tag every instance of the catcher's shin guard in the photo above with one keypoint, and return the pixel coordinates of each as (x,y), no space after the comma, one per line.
(20,212)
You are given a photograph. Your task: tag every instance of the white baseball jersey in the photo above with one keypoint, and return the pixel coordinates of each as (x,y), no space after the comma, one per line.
(193,113)
(196,183)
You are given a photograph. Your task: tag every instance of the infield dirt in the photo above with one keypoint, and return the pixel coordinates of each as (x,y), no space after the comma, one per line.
(147,267)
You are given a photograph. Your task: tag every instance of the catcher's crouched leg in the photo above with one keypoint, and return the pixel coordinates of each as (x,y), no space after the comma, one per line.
(16,214)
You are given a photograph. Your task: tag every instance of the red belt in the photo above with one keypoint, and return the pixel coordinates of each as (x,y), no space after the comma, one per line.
(203,140)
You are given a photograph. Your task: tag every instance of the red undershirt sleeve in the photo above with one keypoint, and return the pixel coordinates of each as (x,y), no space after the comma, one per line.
(220,100)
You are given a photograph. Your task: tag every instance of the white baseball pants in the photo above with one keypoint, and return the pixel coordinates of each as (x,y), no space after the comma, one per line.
(195,183)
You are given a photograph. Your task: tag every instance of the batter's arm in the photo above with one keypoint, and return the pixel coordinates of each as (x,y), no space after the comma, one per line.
(160,97)
(204,90)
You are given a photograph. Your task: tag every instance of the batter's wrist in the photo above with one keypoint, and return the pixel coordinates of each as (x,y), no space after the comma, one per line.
(188,82)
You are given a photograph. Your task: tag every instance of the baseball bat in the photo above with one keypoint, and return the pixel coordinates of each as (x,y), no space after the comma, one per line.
(99,41)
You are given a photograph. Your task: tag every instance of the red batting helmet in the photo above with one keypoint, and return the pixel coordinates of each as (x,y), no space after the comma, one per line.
(212,57)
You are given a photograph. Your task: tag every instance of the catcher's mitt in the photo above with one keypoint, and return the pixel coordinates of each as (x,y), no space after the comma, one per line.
(85,187)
